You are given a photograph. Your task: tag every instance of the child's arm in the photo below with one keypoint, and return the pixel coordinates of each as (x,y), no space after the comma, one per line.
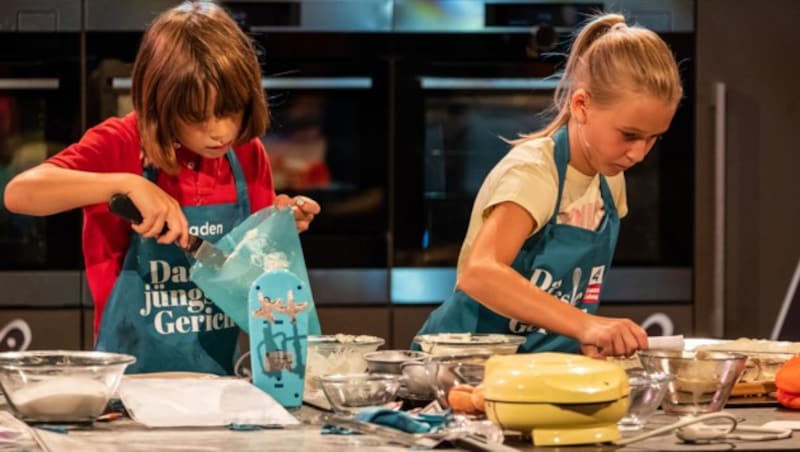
(487,276)
(47,189)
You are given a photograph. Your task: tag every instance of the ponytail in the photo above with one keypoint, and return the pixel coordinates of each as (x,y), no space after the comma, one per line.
(607,57)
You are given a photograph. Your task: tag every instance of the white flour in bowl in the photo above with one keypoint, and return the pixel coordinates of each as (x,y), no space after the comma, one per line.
(61,398)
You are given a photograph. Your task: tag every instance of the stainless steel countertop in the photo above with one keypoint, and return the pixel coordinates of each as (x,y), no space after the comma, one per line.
(125,435)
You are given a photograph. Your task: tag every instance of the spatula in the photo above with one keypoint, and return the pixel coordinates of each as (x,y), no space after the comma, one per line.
(198,248)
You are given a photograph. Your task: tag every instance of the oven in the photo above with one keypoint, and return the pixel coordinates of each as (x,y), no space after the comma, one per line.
(40,114)
(477,72)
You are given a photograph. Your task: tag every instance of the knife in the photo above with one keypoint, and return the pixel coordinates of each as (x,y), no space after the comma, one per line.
(202,250)
(387,433)
(462,440)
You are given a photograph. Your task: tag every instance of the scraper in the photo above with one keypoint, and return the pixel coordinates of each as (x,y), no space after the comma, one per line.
(202,250)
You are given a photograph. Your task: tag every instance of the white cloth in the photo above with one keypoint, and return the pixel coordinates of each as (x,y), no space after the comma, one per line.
(190,402)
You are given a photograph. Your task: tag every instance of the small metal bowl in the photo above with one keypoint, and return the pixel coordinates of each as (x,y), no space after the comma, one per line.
(416,383)
(391,361)
(447,371)
(348,393)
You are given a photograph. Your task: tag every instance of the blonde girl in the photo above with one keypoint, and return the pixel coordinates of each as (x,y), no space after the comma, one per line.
(545,221)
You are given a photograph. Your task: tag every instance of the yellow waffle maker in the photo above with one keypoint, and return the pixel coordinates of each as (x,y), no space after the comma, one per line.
(560,398)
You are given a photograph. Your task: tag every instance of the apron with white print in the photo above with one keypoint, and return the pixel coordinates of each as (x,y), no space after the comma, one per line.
(565,261)
(157,314)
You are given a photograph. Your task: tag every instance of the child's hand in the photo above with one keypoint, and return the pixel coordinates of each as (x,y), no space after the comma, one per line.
(606,336)
(304,209)
(158,210)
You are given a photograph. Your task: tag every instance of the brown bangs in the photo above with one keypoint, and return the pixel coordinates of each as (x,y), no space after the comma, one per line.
(195,64)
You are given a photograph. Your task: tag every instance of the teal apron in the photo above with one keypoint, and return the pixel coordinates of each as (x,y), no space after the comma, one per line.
(156,314)
(566,261)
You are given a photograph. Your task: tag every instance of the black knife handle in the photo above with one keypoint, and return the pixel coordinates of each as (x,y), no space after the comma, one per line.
(121,205)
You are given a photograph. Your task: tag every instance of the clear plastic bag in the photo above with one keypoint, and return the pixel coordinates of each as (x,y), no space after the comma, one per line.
(266,240)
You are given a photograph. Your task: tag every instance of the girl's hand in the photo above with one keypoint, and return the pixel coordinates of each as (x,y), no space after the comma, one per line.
(304,209)
(606,336)
(159,209)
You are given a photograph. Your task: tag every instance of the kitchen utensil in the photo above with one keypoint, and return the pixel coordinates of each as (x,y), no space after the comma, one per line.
(560,398)
(764,358)
(199,249)
(416,387)
(454,343)
(703,380)
(391,434)
(463,441)
(391,361)
(647,392)
(444,372)
(348,393)
(60,386)
(337,354)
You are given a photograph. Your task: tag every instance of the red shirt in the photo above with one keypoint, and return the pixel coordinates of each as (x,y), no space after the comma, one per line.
(113,146)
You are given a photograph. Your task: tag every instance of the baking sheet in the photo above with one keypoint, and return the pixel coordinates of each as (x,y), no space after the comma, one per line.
(754,401)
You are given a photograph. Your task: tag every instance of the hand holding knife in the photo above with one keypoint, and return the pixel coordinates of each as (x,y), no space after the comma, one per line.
(121,205)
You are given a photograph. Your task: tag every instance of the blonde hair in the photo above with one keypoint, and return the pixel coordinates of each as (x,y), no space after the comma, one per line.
(609,58)
(190,54)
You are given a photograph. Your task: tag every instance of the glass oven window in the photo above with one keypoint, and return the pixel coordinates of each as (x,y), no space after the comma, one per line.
(39,116)
(23,145)
(465,137)
(327,141)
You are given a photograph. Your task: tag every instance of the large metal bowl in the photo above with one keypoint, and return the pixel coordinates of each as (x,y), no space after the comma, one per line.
(60,386)
(457,343)
(703,380)
(391,361)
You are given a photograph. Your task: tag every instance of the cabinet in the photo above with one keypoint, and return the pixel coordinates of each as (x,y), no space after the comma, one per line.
(747,111)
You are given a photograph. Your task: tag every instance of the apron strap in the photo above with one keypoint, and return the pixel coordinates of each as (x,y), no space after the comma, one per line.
(242,197)
(561,154)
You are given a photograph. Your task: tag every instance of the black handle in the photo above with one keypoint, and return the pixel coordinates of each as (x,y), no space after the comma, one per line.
(121,205)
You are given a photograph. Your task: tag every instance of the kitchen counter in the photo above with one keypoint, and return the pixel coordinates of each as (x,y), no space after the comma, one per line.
(125,435)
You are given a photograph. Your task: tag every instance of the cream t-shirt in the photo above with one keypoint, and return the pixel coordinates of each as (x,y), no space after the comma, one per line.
(528,176)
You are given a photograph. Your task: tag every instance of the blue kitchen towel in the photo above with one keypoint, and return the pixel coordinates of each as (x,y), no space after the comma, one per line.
(266,240)
(400,420)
